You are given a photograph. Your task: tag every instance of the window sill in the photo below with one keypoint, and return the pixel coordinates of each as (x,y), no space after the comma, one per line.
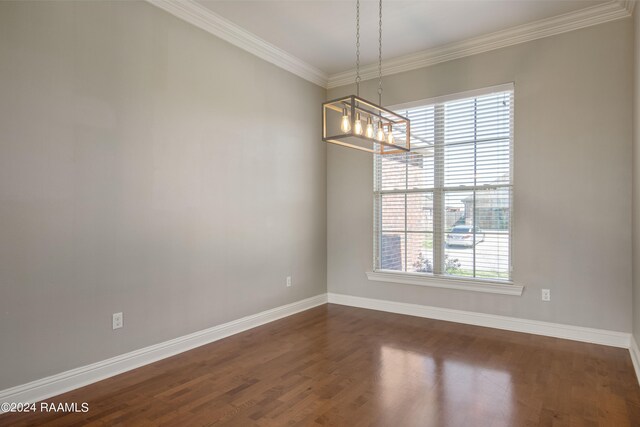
(475,285)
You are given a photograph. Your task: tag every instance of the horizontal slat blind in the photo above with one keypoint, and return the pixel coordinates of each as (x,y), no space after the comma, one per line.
(445,208)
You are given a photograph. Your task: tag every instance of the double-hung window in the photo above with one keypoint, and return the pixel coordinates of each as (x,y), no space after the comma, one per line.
(445,208)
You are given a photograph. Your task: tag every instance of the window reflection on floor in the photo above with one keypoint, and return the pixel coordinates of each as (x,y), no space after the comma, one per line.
(444,387)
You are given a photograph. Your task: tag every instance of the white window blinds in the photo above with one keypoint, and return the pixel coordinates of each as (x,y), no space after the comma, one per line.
(445,208)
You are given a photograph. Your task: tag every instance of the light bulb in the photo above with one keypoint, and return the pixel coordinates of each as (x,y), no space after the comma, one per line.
(357,125)
(369,127)
(390,136)
(345,125)
(380,134)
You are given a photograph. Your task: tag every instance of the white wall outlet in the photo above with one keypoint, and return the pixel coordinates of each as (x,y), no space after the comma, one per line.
(288,281)
(546,295)
(117,320)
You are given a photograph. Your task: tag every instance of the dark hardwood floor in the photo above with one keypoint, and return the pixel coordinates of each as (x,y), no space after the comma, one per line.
(343,366)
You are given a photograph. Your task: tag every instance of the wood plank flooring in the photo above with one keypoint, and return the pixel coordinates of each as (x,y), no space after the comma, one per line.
(344,366)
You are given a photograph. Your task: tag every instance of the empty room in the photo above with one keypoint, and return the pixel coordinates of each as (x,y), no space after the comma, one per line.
(320,213)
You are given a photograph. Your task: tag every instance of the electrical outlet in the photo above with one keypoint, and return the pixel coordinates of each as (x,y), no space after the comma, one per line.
(117,320)
(288,281)
(546,295)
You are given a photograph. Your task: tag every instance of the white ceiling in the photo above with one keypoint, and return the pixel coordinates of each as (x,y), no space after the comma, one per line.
(322,32)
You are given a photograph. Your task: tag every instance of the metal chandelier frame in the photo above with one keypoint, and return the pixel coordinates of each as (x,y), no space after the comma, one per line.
(385,131)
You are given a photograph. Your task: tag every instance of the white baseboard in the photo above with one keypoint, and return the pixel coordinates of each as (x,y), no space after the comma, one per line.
(576,333)
(66,381)
(635,357)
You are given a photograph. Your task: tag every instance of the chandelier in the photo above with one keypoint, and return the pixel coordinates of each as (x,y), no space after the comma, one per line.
(354,122)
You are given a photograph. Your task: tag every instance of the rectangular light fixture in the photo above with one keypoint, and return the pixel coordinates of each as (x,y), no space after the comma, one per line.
(357,123)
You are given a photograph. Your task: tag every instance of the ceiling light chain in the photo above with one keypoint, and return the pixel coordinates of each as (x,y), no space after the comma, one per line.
(358,47)
(380,53)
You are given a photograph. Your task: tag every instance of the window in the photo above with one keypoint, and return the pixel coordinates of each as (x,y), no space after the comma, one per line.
(445,208)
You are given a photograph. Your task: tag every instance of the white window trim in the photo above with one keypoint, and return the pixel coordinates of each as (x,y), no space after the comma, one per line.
(442,281)
(437,281)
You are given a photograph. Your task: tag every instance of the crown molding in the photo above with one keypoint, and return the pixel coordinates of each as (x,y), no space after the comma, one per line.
(582,18)
(629,5)
(205,19)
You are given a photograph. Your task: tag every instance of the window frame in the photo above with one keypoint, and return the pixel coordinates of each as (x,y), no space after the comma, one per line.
(438,279)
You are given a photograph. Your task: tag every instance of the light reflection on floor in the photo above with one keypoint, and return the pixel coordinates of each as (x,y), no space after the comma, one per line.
(443,386)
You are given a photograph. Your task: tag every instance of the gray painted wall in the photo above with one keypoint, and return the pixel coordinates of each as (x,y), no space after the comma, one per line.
(636,177)
(145,168)
(572,178)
